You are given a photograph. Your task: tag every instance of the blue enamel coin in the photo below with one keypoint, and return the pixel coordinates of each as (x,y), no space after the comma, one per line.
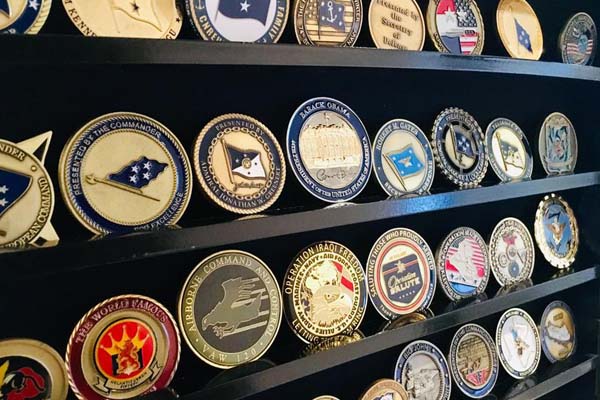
(23,16)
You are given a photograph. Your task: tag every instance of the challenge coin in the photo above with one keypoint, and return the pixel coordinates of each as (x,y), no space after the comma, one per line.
(23,16)
(31,370)
(230,309)
(324,290)
(558,144)
(402,158)
(124,172)
(260,21)
(556,231)
(326,397)
(397,24)
(407,319)
(125,18)
(462,264)
(457,143)
(239,163)
(327,22)
(518,343)
(578,40)
(332,343)
(124,347)
(400,273)
(455,26)
(423,371)
(519,29)
(511,251)
(329,150)
(558,332)
(508,150)
(473,361)
(385,389)
(26,193)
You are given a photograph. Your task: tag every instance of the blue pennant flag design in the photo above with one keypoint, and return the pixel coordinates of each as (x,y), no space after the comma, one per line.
(463,145)
(12,187)
(510,154)
(253,9)
(523,36)
(406,162)
(138,173)
(5,7)
(246,163)
(332,14)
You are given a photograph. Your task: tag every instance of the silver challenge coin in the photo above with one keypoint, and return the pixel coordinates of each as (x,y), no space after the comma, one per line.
(558,145)
(508,150)
(518,343)
(511,252)
(578,40)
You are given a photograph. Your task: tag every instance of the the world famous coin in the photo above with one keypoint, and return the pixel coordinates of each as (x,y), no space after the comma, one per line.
(230,309)
(31,370)
(327,22)
(519,29)
(400,273)
(122,348)
(473,361)
(153,19)
(457,143)
(455,26)
(26,193)
(462,264)
(556,231)
(329,150)
(23,16)
(423,371)
(508,150)
(385,389)
(397,24)
(324,292)
(512,255)
(239,163)
(124,172)
(558,144)
(402,158)
(518,343)
(578,40)
(557,328)
(261,21)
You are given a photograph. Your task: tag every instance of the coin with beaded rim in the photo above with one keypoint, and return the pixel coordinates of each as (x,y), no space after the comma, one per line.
(557,328)
(511,251)
(397,24)
(519,29)
(387,389)
(556,231)
(456,26)
(558,144)
(23,16)
(578,40)
(518,343)
(327,22)
(508,150)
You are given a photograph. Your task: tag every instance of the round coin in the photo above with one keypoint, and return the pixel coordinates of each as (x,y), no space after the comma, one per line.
(124,172)
(329,150)
(511,251)
(23,16)
(402,158)
(230,309)
(325,294)
(332,343)
(397,24)
(327,22)
(508,150)
(578,40)
(239,163)
(385,389)
(519,29)
(558,144)
(400,273)
(455,26)
(558,331)
(518,343)
(31,370)
(407,319)
(326,397)
(122,348)
(556,231)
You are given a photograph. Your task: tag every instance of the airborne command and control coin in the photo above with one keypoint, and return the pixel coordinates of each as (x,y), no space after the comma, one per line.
(462,264)
(455,26)
(508,150)
(327,22)
(23,16)
(519,29)
(512,255)
(423,371)
(239,163)
(578,40)
(31,370)
(122,348)
(332,343)
(556,231)
(473,361)
(260,21)
(557,328)
(325,294)
(385,389)
(152,19)
(558,144)
(518,343)
(400,273)
(457,143)
(329,149)
(26,193)
(230,309)
(402,158)
(124,172)
(397,24)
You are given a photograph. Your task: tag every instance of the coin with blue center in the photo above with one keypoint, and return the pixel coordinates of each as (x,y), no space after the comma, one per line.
(23,16)
(558,331)
(511,251)
(556,231)
(508,150)
(578,40)
(518,343)
(558,144)
(455,26)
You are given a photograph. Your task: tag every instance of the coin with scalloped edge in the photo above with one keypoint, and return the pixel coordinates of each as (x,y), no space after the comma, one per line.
(508,150)
(518,343)
(578,40)
(456,26)
(558,145)
(557,328)
(556,231)
(23,16)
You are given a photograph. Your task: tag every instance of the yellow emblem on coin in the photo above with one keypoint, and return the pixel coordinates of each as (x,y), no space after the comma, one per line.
(519,29)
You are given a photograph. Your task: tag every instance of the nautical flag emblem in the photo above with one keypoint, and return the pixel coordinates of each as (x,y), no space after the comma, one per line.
(138,173)
(405,162)
(457,26)
(13,186)
(245,163)
(5,7)
(462,144)
(140,10)
(510,154)
(253,9)
(523,36)
(332,14)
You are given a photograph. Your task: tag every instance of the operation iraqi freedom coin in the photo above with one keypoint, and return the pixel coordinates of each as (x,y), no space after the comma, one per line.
(385,389)
(558,144)
(324,292)
(557,328)
(397,24)
(23,16)
(239,163)
(230,309)
(511,251)
(519,29)
(578,40)
(455,26)
(31,370)
(124,347)
(508,150)
(402,158)
(329,150)
(124,172)
(327,22)
(518,343)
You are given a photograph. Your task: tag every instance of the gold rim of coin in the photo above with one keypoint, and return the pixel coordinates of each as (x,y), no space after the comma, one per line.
(528,28)
(383,387)
(556,228)
(400,32)
(436,37)
(355,22)
(38,21)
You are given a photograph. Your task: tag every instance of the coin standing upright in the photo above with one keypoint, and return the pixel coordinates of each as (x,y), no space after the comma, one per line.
(519,29)
(456,26)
